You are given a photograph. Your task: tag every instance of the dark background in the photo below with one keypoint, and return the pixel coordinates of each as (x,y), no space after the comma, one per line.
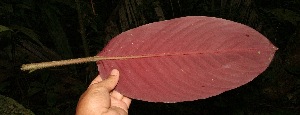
(47,30)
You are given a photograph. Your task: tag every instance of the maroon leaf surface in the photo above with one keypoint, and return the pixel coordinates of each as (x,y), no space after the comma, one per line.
(186,58)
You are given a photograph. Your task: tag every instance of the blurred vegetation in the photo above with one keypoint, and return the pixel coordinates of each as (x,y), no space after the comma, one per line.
(46,30)
(11,107)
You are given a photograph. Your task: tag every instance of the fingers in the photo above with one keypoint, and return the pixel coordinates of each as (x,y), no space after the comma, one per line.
(119,98)
(117,95)
(115,111)
(111,81)
(127,101)
(122,104)
(100,95)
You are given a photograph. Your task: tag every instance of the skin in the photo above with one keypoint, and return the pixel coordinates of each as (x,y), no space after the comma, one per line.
(101,99)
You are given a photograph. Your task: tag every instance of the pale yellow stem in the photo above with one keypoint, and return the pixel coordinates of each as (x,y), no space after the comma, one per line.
(34,66)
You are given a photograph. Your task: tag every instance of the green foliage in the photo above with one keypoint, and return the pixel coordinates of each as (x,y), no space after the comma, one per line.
(55,29)
(3,28)
(46,86)
(11,107)
(286,15)
(36,31)
(31,35)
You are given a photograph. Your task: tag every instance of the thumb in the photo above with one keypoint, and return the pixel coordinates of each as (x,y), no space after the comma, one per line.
(112,80)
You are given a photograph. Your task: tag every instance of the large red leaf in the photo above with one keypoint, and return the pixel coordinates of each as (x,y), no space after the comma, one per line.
(186,59)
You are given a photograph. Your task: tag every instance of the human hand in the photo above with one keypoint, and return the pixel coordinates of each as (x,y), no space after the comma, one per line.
(101,99)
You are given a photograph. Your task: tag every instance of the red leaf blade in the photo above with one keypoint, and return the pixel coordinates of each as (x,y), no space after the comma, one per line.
(193,58)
